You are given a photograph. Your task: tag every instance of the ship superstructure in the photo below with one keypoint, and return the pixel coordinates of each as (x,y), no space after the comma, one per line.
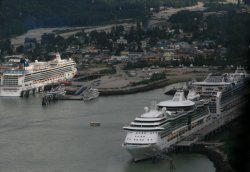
(222,90)
(34,76)
(161,126)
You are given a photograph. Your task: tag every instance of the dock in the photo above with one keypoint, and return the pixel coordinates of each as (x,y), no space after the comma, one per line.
(83,93)
(215,126)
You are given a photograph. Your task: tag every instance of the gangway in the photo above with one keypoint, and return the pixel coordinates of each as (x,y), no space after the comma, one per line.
(80,90)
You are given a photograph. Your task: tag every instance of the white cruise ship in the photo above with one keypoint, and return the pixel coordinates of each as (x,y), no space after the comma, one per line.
(158,128)
(222,90)
(34,76)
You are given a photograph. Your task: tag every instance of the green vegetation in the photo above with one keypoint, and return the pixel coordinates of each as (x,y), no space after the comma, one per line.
(5,47)
(18,16)
(65,31)
(187,20)
(179,3)
(142,64)
(154,77)
(226,27)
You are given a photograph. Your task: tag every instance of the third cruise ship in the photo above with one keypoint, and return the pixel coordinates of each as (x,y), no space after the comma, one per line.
(34,76)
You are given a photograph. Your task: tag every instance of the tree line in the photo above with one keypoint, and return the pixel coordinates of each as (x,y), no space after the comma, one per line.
(229,30)
(18,16)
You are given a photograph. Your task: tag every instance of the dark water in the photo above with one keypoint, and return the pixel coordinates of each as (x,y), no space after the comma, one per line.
(58,137)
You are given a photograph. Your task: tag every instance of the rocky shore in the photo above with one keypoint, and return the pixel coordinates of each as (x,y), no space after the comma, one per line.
(216,156)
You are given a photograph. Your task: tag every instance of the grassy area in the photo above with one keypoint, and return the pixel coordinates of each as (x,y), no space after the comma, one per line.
(154,77)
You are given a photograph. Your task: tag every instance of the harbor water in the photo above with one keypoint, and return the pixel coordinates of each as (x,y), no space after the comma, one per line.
(58,137)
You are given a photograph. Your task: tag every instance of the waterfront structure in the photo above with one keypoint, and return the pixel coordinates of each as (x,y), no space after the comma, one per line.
(164,124)
(90,93)
(57,91)
(34,76)
(222,90)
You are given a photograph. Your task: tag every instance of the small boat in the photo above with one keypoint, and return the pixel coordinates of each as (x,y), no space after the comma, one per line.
(90,93)
(54,94)
(60,90)
(95,124)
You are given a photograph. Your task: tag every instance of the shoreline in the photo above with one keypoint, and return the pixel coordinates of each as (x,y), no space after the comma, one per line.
(135,89)
(142,88)
(218,158)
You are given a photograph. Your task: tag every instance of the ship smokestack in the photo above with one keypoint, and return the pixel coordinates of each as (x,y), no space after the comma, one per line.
(23,63)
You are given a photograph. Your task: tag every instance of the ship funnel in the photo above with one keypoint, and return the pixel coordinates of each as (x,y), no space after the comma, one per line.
(58,57)
(179,96)
(23,63)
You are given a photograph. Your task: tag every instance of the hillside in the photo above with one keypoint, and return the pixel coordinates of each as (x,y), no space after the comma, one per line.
(16,16)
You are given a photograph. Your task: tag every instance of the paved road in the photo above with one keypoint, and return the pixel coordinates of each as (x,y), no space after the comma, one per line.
(37,33)
(165,14)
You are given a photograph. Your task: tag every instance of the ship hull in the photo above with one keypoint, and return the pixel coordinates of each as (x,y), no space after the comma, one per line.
(142,152)
(33,86)
(6,92)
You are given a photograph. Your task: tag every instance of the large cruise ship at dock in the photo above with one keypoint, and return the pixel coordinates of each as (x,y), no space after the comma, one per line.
(223,91)
(164,124)
(34,76)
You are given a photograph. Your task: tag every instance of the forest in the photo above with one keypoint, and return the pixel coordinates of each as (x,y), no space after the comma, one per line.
(17,16)
(230,30)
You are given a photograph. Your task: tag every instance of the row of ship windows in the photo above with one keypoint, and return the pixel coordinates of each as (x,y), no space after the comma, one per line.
(139,139)
(176,109)
(178,123)
(50,72)
(150,121)
(47,74)
(59,68)
(199,115)
(10,90)
(145,132)
(178,126)
(10,79)
(181,122)
(139,136)
(174,135)
(150,126)
(40,77)
(10,82)
(197,123)
(6,81)
(165,133)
